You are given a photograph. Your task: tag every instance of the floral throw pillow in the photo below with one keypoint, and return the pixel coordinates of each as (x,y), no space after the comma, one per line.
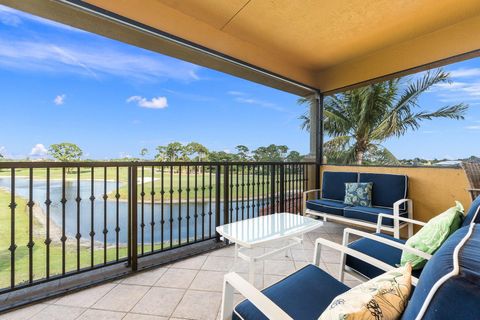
(383,297)
(358,194)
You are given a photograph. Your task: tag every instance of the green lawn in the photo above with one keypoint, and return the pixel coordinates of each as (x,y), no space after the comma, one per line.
(205,186)
(39,249)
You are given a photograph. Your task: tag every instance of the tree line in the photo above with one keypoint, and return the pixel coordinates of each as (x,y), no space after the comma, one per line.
(193,151)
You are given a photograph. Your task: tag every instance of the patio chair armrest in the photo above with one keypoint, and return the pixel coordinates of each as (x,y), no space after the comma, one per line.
(351,252)
(305,195)
(401,246)
(396,213)
(344,250)
(232,281)
(397,204)
(398,218)
(313,190)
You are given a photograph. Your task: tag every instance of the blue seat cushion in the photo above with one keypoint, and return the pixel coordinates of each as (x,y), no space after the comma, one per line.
(458,294)
(327,206)
(304,294)
(333,184)
(370,214)
(387,188)
(377,250)
(473,214)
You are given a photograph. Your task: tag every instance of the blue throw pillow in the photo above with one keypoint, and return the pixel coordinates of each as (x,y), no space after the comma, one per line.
(358,194)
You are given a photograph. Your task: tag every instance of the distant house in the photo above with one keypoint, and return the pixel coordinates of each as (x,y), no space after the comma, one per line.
(449,163)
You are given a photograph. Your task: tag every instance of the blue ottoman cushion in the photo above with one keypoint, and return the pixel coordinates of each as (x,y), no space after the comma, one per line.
(303,295)
(377,250)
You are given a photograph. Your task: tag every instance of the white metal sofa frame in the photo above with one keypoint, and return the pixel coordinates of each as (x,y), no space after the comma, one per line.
(346,241)
(397,225)
(233,281)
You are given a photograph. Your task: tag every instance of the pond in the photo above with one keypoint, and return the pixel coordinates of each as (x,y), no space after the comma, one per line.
(205,227)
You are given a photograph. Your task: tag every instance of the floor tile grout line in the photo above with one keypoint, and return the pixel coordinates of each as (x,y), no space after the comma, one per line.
(46,305)
(66,305)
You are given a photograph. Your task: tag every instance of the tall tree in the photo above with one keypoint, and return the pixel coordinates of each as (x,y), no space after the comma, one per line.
(360,120)
(144,152)
(294,156)
(197,150)
(243,153)
(270,153)
(161,153)
(65,151)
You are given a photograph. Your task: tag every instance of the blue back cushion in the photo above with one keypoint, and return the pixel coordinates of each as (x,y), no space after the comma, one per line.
(387,188)
(473,214)
(333,184)
(458,297)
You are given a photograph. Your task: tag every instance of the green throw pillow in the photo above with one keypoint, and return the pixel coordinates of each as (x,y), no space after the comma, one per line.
(432,235)
(358,194)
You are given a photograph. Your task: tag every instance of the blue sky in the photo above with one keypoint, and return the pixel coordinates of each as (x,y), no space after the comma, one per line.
(61,84)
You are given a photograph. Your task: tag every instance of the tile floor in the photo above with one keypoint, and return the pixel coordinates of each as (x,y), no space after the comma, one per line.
(189,289)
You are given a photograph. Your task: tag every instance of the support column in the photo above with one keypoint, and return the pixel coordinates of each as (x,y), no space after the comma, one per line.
(316,134)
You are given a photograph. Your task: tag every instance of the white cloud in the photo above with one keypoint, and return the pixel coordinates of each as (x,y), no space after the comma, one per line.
(254,101)
(60,99)
(463,73)
(154,103)
(95,60)
(472,127)
(14,18)
(235,93)
(458,91)
(39,150)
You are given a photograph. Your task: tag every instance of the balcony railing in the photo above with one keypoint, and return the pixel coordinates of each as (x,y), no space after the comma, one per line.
(60,219)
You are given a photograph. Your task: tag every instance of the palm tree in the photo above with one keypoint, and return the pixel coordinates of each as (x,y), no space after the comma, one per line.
(359,120)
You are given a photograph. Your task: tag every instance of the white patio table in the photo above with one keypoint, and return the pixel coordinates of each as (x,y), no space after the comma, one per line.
(267,229)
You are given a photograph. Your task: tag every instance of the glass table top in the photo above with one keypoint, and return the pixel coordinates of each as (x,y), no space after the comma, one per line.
(255,231)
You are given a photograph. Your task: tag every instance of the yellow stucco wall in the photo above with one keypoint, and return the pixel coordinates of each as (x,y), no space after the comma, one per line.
(432,190)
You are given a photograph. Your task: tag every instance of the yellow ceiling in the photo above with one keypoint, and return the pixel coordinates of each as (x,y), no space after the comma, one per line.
(326,44)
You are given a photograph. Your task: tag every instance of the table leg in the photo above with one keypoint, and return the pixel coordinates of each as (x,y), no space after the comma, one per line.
(236,255)
(251,271)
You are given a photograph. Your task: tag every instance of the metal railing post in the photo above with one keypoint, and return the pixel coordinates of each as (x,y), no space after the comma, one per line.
(133,218)
(272,188)
(217,200)
(226,205)
(282,187)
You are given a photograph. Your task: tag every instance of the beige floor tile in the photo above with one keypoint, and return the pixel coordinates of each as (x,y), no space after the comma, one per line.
(92,314)
(302,255)
(300,264)
(216,263)
(194,263)
(258,281)
(145,278)
(244,266)
(159,301)
(330,256)
(270,279)
(85,298)
(177,278)
(282,268)
(224,252)
(55,312)
(24,313)
(208,281)
(121,298)
(137,316)
(199,305)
